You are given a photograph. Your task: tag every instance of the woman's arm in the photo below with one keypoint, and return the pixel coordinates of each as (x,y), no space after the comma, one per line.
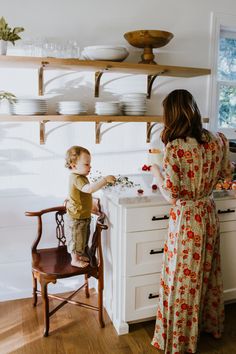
(155,169)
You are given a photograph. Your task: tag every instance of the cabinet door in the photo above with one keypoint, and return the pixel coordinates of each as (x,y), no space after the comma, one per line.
(147,218)
(141,296)
(228,258)
(144,251)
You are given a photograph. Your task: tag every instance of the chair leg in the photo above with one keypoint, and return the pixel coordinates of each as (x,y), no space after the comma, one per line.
(35,296)
(86,286)
(100,302)
(44,293)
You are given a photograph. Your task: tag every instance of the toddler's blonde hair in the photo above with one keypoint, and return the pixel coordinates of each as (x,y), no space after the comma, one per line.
(73,154)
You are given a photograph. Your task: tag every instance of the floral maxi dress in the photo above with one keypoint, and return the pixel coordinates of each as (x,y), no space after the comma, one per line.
(191,292)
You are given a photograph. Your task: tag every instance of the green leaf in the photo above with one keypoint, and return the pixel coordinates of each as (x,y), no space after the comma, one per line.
(9,34)
(2,22)
(18,29)
(4,95)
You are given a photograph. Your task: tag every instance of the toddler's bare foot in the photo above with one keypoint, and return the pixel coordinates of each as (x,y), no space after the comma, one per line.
(76,261)
(83,258)
(79,264)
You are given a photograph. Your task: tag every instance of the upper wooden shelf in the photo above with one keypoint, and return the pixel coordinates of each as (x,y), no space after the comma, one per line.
(90,65)
(99,67)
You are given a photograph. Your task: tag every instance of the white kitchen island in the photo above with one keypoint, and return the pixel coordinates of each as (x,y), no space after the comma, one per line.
(133,248)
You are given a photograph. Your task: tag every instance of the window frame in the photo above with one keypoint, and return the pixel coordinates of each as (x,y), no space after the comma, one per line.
(226,24)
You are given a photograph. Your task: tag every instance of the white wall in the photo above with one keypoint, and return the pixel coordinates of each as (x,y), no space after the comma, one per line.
(33,176)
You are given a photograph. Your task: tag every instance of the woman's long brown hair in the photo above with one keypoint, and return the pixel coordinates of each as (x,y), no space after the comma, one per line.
(182,117)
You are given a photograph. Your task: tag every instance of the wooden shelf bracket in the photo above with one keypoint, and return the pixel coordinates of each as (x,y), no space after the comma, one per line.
(41,78)
(149,130)
(42,133)
(150,81)
(98,126)
(98,75)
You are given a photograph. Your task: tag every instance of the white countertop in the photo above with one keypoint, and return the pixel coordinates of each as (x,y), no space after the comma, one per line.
(130,196)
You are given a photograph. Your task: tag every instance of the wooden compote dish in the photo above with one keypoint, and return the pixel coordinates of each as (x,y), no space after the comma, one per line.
(148,39)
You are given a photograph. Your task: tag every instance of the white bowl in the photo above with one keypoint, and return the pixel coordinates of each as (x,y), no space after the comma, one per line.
(105,52)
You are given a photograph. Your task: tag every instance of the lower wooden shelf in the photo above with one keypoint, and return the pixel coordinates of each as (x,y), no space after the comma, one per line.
(80,118)
(151,120)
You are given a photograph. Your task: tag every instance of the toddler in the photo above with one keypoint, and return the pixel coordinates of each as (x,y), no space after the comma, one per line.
(79,204)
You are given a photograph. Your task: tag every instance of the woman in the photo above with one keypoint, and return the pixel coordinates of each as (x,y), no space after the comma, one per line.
(191,292)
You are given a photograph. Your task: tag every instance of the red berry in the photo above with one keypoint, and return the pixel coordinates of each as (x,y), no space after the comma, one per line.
(144,168)
(154,187)
(140,191)
(149,168)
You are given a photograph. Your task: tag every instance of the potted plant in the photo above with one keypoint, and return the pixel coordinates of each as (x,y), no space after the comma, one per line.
(6,100)
(7,34)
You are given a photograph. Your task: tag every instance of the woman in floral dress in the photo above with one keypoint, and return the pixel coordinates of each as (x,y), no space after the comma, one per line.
(191,292)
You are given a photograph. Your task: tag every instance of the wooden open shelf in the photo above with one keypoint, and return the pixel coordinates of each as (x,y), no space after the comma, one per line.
(79,118)
(91,65)
(99,67)
(85,118)
(151,121)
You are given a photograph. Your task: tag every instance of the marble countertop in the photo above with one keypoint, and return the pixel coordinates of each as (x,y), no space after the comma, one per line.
(130,196)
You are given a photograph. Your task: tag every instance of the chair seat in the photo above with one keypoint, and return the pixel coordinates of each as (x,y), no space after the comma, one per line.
(57,262)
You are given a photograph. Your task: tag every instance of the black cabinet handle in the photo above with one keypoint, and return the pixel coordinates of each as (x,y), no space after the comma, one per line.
(226,211)
(165,217)
(156,252)
(152,296)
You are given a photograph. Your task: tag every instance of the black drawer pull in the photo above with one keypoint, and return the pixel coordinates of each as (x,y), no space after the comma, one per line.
(152,296)
(165,217)
(226,211)
(156,252)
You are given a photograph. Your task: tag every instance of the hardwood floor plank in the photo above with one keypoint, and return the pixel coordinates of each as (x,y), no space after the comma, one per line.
(75,330)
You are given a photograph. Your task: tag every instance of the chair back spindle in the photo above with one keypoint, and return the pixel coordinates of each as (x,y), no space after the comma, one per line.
(60,228)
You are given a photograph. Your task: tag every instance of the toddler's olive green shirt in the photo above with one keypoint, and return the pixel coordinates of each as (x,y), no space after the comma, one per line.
(79,205)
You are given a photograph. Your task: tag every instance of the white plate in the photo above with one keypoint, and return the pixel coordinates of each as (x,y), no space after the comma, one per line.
(135,113)
(71,114)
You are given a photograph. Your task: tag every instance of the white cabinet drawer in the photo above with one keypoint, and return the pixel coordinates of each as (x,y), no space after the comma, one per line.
(226,209)
(148,218)
(141,296)
(228,226)
(144,251)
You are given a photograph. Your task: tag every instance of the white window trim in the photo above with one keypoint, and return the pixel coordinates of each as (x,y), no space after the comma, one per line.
(226,22)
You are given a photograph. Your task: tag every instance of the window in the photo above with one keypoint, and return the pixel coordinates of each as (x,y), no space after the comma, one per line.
(226,80)
(222,93)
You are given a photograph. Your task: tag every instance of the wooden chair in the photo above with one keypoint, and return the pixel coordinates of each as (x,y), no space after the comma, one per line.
(50,264)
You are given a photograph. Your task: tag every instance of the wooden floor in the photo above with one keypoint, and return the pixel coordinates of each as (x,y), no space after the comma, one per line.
(76,330)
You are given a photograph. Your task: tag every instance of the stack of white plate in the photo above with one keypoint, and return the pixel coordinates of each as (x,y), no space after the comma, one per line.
(134,104)
(29,106)
(71,108)
(107,108)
